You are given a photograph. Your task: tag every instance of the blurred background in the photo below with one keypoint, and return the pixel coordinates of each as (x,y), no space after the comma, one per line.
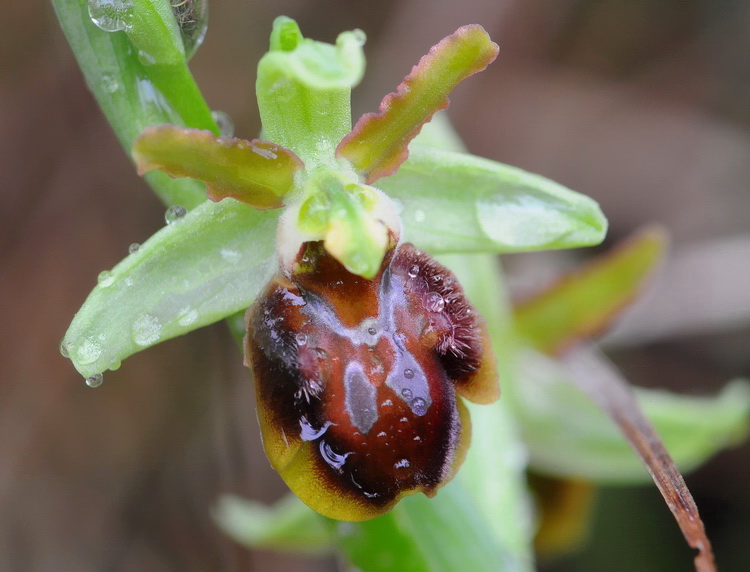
(642,104)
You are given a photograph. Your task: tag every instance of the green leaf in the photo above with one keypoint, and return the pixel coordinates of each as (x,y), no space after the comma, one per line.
(455,202)
(584,302)
(304,90)
(133,95)
(196,271)
(445,533)
(378,143)
(567,435)
(288,526)
(256,173)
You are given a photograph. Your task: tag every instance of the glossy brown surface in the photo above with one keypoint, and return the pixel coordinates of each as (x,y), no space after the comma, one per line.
(356,379)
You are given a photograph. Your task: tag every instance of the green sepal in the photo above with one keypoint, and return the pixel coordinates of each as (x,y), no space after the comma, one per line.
(455,202)
(256,173)
(196,271)
(304,88)
(584,302)
(568,436)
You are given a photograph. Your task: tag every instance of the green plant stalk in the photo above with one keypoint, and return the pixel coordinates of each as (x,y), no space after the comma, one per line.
(133,95)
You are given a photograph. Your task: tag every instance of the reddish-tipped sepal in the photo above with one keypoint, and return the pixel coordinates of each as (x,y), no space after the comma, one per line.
(356,379)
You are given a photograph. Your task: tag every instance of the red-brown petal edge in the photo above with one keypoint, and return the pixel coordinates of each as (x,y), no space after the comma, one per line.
(378,143)
(257,173)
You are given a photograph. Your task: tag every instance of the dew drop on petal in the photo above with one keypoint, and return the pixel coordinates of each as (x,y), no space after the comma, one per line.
(409,373)
(223,122)
(434,302)
(419,406)
(402,464)
(105,279)
(174,214)
(111,15)
(95,380)
(419,215)
(88,351)
(187,316)
(133,248)
(301,338)
(414,271)
(146,330)
(407,393)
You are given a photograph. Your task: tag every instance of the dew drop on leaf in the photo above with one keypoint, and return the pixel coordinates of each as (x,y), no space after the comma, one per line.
(109,82)
(111,15)
(174,214)
(95,380)
(146,330)
(105,279)
(133,248)
(192,19)
(64,350)
(88,351)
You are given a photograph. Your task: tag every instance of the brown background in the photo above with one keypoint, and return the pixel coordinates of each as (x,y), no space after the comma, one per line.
(641,104)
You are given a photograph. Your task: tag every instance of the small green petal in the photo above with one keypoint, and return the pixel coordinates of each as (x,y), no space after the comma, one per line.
(378,143)
(456,202)
(583,303)
(304,89)
(196,271)
(257,173)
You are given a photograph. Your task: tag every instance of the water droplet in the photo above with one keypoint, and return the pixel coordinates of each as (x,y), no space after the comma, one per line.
(406,392)
(187,316)
(409,373)
(419,215)
(133,248)
(146,330)
(434,302)
(105,279)
(224,123)
(109,82)
(310,433)
(386,403)
(402,464)
(146,59)
(301,338)
(64,350)
(95,380)
(414,271)
(372,330)
(89,351)
(192,19)
(382,434)
(335,460)
(419,406)
(111,15)
(174,214)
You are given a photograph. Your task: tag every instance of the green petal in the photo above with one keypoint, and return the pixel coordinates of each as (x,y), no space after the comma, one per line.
(257,173)
(455,202)
(581,304)
(567,435)
(304,90)
(196,271)
(378,143)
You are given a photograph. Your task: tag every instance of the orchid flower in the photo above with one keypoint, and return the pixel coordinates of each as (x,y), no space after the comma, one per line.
(363,346)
